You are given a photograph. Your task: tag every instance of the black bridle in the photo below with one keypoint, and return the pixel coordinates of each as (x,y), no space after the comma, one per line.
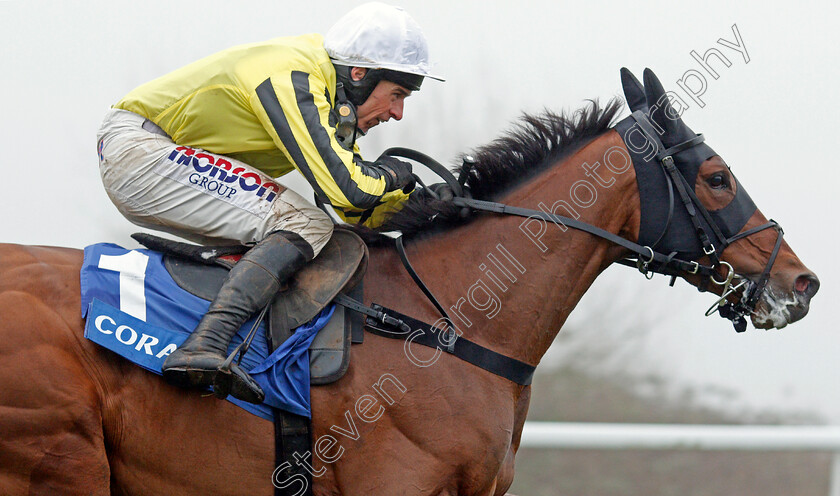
(713,241)
(648,259)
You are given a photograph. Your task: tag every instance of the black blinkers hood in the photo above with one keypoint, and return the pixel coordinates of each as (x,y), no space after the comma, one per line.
(665,222)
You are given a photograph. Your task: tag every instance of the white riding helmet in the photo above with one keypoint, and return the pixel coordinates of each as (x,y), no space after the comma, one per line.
(379,36)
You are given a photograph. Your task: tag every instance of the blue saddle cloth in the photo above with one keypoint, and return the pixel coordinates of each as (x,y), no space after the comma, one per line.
(134,308)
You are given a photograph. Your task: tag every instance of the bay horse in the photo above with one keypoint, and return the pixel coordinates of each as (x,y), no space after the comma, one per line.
(77,419)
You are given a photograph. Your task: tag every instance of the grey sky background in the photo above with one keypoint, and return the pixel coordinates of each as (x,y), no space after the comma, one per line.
(772,119)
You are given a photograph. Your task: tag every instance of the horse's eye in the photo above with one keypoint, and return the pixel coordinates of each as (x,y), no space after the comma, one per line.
(718,181)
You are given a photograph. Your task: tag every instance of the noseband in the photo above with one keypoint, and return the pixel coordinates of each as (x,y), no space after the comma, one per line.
(650,258)
(709,229)
(645,257)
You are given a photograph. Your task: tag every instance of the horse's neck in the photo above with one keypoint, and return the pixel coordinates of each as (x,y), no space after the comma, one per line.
(505,285)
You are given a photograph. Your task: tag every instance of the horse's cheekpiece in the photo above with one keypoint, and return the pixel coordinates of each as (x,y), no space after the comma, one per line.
(667,156)
(173,432)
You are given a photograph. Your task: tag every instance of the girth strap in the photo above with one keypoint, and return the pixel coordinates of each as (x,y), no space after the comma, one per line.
(292,439)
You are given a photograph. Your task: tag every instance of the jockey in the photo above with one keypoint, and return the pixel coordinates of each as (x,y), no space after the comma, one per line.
(194,153)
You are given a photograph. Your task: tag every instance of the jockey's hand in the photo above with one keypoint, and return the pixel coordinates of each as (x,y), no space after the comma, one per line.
(441,191)
(396,172)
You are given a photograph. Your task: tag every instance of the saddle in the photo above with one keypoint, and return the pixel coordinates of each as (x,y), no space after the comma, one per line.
(339,268)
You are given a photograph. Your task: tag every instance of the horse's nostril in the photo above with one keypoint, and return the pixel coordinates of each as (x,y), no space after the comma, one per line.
(807,285)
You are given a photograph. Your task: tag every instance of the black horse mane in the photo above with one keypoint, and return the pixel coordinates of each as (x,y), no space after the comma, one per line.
(534,143)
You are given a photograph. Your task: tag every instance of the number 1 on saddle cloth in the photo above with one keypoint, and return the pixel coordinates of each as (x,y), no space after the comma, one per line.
(134,308)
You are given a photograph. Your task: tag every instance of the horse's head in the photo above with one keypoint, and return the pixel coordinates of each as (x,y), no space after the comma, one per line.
(694,210)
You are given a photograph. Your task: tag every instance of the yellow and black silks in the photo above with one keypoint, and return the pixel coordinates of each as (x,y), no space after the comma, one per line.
(269,104)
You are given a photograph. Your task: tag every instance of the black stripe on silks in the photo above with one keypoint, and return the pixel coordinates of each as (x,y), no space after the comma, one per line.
(333,118)
(336,167)
(269,101)
(365,216)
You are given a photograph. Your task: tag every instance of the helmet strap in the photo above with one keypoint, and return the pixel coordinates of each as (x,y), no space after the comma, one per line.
(357,91)
(345,129)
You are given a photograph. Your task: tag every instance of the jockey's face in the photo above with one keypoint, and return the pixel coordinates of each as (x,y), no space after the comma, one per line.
(384,103)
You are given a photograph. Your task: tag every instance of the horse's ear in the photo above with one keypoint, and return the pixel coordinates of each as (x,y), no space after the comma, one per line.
(656,99)
(634,92)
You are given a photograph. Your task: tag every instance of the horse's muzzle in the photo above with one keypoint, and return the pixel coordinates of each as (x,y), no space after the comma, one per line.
(776,309)
(805,287)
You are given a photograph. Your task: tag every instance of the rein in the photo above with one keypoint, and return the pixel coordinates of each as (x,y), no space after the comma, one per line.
(649,261)
(646,258)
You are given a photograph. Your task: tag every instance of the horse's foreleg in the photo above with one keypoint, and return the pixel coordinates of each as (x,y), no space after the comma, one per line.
(71,463)
(51,452)
(504,479)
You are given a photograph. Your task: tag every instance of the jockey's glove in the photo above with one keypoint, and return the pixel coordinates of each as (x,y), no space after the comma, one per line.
(441,191)
(397,173)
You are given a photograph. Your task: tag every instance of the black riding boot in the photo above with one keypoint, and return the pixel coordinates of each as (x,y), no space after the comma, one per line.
(251,285)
